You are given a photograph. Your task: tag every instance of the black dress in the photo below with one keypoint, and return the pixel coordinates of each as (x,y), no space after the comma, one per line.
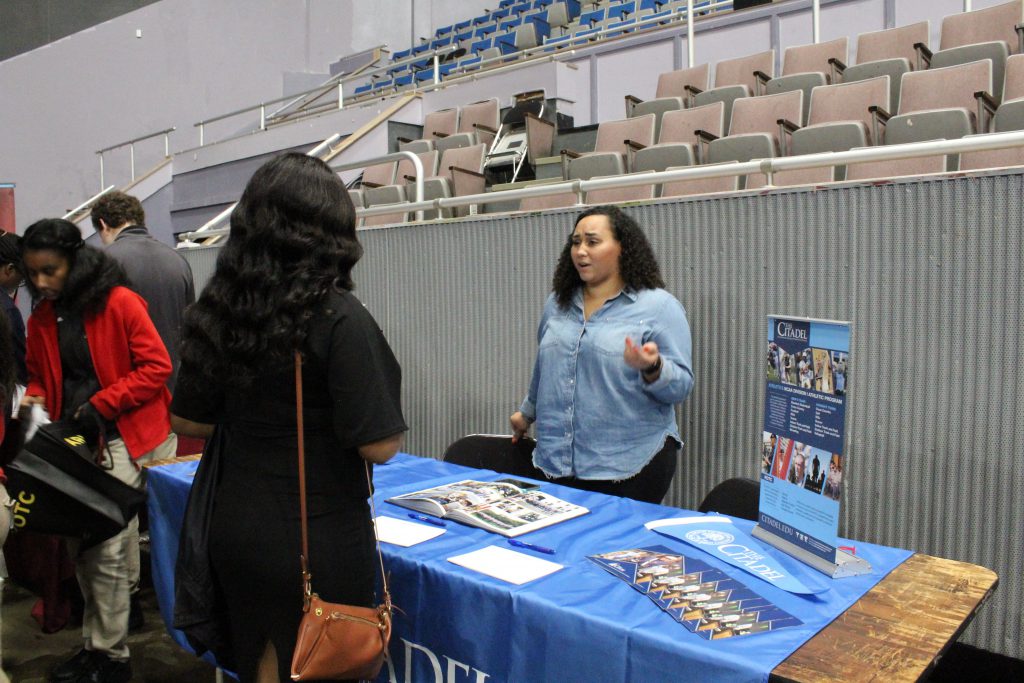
(351,386)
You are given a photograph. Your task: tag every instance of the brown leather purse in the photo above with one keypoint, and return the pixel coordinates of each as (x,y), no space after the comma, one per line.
(335,642)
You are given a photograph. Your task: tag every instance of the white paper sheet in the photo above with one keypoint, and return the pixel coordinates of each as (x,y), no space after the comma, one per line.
(505,564)
(403,533)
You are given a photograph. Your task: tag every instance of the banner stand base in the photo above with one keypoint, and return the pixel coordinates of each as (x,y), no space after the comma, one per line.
(845,565)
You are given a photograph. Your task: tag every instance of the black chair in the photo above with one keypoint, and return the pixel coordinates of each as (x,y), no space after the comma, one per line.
(494,452)
(737,497)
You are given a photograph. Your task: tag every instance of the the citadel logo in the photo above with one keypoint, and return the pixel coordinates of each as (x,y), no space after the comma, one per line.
(428,667)
(709,537)
(787,330)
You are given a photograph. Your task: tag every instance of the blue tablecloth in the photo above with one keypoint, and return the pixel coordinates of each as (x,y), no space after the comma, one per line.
(578,624)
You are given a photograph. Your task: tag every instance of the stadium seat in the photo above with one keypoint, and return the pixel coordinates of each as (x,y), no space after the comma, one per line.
(480,119)
(672,93)
(616,195)
(806,67)
(614,140)
(1010,114)
(874,170)
(460,173)
(840,119)
(939,104)
(892,52)
(678,143)
(982,34)
(736,78)
(754,130)
(697,186)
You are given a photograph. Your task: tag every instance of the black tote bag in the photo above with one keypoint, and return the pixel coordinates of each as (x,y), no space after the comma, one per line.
(200,611)
(58,489)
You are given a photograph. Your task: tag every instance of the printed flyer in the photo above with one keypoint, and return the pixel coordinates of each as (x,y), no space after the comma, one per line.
(705,600)
(807,367)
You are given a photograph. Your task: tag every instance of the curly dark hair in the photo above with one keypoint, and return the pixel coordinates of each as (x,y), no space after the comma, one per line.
(91,275)
(117,208)
(637,264)
(10,249)
(292,241)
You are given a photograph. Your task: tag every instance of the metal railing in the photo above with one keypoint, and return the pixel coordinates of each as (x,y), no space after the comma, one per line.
(337,82)
(87,203)
(208,229)
(766,166)
(131,145)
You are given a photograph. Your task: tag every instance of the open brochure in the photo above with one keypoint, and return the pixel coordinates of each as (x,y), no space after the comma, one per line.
(499,506)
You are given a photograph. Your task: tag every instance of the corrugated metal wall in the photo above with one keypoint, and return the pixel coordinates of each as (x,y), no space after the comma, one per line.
(929,272)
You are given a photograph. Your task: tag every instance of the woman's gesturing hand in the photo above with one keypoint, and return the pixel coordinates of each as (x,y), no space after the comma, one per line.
(640,357)
(520,425)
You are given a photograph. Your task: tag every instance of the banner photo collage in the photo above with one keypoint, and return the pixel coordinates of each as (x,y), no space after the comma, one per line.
(807,365)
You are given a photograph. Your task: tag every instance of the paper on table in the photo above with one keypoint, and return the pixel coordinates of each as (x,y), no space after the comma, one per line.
(505,564)
(403,533)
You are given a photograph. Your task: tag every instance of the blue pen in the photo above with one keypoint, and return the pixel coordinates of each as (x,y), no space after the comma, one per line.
(530,546)
(428,520)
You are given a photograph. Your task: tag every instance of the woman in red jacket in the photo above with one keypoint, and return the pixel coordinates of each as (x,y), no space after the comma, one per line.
(94,357)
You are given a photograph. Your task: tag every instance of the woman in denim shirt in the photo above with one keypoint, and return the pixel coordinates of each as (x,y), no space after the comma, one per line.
(613,360)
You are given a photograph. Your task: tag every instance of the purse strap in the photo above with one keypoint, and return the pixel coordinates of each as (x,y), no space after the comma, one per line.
(307,587)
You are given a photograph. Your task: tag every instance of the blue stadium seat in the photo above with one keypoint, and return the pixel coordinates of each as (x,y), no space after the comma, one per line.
(484,31)
(592,17)
(360,89)
(482,44)
(623,10)
(509,24)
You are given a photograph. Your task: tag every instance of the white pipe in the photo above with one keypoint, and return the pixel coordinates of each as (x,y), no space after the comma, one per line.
(87,202)
(816,14)
(689,33)
(767,166)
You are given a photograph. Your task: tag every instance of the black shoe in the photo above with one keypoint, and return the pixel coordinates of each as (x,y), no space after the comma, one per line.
(108,670)
(136,619)
(68,671)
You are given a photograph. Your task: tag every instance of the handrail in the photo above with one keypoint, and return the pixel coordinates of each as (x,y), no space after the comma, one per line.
(766,166)
(87,202)
(208,229)
(165,131)
(326,85)
(417,164)
(131,143)
(338,80)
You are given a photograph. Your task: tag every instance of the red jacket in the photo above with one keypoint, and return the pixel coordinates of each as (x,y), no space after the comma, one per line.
(131,364)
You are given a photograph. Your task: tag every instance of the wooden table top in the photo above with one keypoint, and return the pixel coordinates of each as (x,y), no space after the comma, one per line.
(899,629)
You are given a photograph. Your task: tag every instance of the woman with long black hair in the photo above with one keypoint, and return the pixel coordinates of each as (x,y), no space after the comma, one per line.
(95,358)
(283,284)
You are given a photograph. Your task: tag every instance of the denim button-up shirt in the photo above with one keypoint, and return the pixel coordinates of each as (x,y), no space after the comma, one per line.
(595,416)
